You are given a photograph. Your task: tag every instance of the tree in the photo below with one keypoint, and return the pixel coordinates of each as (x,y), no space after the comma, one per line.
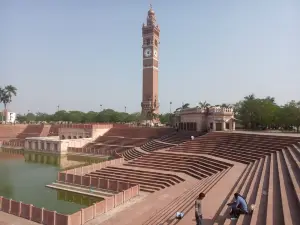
(184,106)
(205,105)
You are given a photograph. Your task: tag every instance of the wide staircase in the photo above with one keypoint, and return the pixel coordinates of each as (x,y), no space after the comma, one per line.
(31,131)
(138,132)
(54,130)
(120,139)
(8,132)
(272,185)
(149,181)
(16,134)
(240,147)
(185,202)
(168,141)
(131,154)
(195,166)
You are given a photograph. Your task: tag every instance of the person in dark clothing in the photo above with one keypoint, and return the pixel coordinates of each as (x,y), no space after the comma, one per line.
(238,207)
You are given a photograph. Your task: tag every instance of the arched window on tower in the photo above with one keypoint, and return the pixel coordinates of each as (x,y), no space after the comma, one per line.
(156,43)
(148,41)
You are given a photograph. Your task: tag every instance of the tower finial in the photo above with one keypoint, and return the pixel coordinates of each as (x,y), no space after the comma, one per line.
(150,6)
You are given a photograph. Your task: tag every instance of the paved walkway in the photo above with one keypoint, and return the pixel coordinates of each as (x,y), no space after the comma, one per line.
(275,133)
(8,219)
(215,197)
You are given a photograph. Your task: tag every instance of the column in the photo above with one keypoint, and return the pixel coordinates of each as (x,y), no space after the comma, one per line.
(233,125)
(214,126)
(223,125)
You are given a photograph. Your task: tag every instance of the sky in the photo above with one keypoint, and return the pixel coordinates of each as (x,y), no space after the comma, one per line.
(83,54)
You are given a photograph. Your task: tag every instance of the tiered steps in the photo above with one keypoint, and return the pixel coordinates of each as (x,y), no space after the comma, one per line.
(149,181)
(169,141)
(154,145)
(184,202)
(273,186)
(132,154)
(196,166)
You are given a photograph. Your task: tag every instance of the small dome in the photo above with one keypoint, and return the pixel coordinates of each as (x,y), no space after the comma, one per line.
(151,12)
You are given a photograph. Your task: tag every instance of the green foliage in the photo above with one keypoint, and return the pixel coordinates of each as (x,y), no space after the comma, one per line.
(105,116)
(263,113)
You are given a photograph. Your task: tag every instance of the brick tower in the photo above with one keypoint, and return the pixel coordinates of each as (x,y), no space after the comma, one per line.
(150,65)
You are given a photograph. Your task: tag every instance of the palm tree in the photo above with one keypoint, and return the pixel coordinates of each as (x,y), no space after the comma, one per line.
(11,91)
(205,105)
(250,97)
(184,106)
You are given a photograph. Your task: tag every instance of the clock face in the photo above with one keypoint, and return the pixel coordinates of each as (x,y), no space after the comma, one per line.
(147,52)
(155,53)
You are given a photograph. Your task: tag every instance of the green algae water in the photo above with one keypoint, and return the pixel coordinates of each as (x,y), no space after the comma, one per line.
(23,181)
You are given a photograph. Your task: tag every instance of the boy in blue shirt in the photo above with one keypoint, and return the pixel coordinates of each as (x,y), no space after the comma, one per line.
(239,206)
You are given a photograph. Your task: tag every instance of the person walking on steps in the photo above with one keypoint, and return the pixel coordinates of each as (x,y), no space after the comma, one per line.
(198,209)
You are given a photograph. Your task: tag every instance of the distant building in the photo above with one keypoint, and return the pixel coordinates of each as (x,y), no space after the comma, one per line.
(210,119)
(10,117)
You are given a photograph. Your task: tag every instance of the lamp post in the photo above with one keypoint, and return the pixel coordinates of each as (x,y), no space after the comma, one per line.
(170,107)
(125,108)
(57,108)
(101,109)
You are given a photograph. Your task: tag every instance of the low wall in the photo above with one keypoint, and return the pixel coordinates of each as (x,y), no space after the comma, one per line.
(15,144)
(99,208)
(30,212)
(91,168)
(94,182)
(47,217)
(104,152)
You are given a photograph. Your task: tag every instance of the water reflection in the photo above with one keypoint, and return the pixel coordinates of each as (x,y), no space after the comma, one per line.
(77,198)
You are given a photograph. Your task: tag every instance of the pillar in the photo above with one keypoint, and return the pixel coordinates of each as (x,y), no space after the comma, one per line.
(214,126)
(223,125)
(233,125)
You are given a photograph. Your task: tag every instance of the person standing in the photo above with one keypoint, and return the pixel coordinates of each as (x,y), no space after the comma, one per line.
(198,209)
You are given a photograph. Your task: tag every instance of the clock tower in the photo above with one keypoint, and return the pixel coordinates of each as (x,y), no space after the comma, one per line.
(150,32)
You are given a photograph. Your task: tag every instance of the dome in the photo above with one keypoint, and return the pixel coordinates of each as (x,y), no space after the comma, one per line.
(151,12)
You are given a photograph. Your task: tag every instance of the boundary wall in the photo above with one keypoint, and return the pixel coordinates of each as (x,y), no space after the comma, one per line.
(47,217)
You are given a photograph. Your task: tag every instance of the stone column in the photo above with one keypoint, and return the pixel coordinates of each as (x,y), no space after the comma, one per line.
(233,125)
(223,125)
(214,126)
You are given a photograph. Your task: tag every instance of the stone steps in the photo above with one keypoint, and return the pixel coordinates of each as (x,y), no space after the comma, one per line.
(149,181)
(274,190)
(166,215)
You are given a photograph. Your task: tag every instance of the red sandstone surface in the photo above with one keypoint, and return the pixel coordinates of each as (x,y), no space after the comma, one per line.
(264,168)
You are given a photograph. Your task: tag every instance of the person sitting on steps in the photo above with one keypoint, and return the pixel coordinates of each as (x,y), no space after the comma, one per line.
(238,207)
